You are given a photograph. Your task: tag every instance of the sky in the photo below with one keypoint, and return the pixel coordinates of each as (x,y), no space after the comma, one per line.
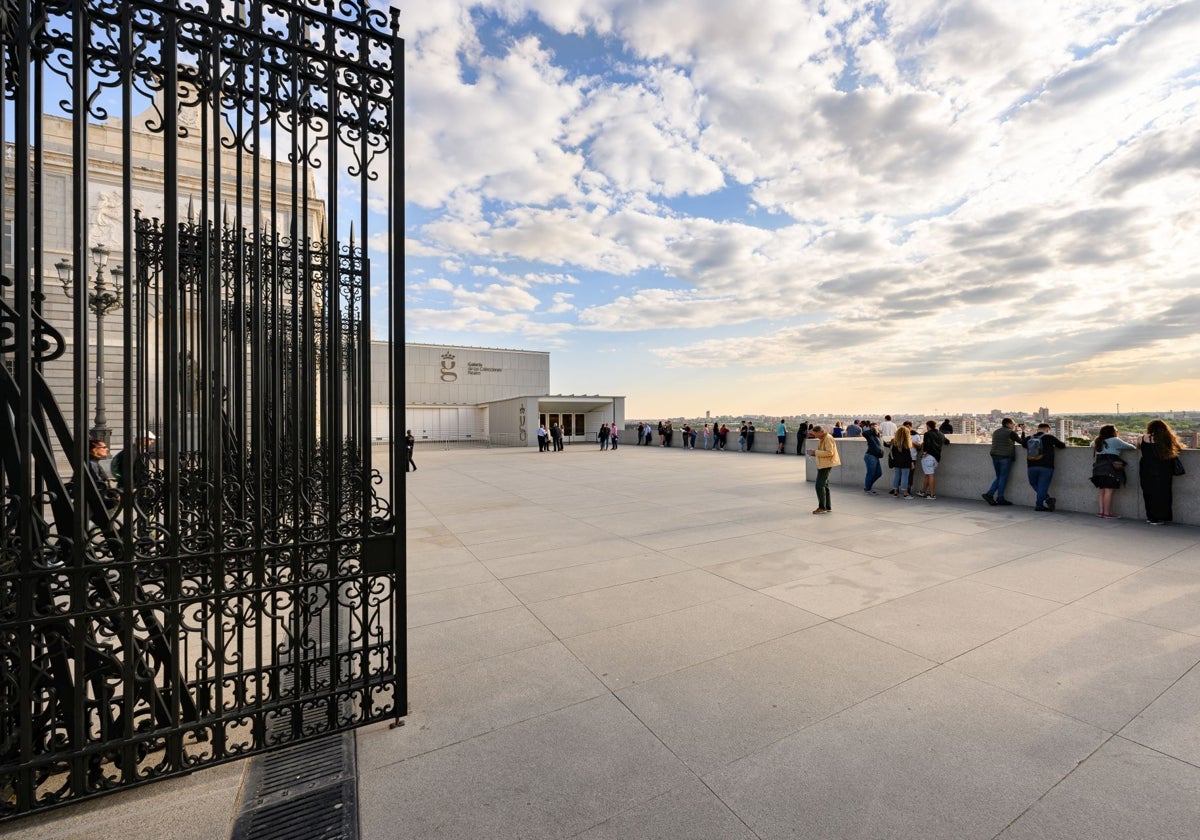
(792,206)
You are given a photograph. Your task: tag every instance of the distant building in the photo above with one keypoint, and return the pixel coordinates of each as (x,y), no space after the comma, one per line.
(1043,415)
(456,393)
(964,425)
(1064,427)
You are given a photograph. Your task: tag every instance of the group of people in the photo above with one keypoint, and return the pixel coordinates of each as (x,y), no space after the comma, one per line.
(1159,464)
(713,436)
(905,448)
(551,439)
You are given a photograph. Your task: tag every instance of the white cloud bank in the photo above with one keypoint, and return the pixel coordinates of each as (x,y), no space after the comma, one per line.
(838,181)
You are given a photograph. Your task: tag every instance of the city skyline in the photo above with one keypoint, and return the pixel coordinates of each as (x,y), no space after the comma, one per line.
(875,204)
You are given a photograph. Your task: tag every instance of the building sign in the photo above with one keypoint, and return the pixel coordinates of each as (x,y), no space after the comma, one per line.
(448,374)
(476,368)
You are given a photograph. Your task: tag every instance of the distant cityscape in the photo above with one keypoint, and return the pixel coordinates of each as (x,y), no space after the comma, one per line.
(1077,429)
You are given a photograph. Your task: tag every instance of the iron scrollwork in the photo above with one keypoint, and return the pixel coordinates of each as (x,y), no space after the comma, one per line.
(211,600)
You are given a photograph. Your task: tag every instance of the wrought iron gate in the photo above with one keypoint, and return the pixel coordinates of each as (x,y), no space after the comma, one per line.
(193,174)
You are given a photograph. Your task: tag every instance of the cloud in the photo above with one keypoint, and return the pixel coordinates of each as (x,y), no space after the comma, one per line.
(831,181)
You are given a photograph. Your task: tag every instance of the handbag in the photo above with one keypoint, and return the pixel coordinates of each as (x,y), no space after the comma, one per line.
(1177,467)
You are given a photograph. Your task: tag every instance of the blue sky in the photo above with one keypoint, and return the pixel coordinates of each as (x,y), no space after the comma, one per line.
(787,207)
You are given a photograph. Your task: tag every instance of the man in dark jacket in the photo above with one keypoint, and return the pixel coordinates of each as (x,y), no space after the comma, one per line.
(801,436)
(1039,459)
(1004,451)
(871,459)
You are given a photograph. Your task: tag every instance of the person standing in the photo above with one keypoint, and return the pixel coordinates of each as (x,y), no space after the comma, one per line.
(556,437)
(410,443)
(1039,461)
(837,429)
(750,436)
(801,436)
(887,429)
(780,436)
(1003,452)
(854,430)
(707,436)
(901,462)
(871,459)
(543,437)
(931,455)
(915,446)
(827,458)
(723,436)
(1159,465)
(613,435)
(692,438)
(1108,470)
(602,436)
(742,437)
(947,428)
(650,434)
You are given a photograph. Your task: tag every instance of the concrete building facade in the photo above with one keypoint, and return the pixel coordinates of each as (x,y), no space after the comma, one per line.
(491,395)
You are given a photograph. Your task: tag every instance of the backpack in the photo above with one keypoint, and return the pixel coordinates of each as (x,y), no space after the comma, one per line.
(1034,445)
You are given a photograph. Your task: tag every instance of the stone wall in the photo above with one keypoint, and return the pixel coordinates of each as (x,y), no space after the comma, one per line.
(966,471)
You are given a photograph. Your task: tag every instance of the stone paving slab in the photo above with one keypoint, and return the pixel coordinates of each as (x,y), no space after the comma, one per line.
(1123,791)
(1094,667)
(940,757)
(698,656)
(1171,724)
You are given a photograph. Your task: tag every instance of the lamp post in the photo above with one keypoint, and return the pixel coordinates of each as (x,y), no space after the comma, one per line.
(101,300)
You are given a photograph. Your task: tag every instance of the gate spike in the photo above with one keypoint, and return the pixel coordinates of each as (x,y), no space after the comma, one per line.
(191,209)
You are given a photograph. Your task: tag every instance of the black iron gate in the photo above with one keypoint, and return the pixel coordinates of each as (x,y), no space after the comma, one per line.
(180,278)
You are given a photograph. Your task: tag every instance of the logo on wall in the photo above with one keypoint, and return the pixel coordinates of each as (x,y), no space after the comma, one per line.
(448,374)
(522,424)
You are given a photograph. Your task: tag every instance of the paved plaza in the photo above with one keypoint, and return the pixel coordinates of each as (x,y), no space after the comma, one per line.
(656,643)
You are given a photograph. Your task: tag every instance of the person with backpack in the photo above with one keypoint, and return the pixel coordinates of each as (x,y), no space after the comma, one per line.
(1108,468)
(1039,460)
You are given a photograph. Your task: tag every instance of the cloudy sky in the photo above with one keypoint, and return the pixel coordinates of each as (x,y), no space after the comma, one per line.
(793,206)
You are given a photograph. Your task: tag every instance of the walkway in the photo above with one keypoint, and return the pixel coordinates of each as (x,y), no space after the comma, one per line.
(665,644)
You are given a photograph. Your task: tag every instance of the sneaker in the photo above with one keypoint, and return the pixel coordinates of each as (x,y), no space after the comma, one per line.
(870,492)
(921,493)
(1044,510)
(1050,503)
(892,492)
(820,510)
(1110,516)
(1155,522)
(987,498)
(931,497)
(908,496)
(1003,502)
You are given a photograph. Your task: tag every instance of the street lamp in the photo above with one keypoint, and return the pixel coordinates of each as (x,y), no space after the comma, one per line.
(101,300)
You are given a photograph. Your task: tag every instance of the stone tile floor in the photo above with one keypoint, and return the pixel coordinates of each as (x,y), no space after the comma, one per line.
(654,643)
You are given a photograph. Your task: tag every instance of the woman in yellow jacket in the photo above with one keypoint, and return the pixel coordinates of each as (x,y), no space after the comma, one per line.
(827,459)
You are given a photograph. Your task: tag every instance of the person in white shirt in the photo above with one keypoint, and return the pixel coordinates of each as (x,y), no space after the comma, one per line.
(887,429)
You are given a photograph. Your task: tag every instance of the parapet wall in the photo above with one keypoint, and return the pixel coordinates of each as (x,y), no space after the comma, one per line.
(966,471)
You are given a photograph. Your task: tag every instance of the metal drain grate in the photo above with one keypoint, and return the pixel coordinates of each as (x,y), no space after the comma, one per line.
(327,814)
(298,770)
(305,792)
